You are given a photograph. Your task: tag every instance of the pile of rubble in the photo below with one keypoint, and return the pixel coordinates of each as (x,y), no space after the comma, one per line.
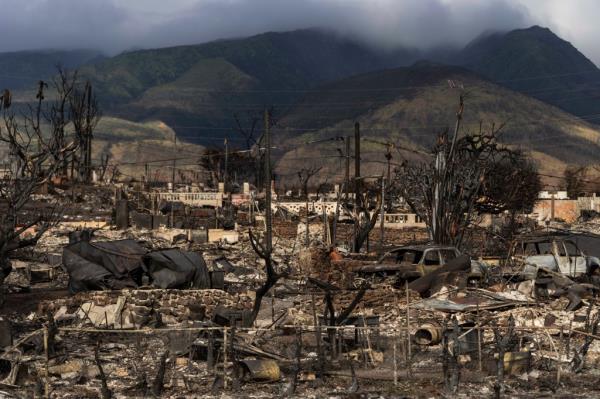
(167,315)
(132,309)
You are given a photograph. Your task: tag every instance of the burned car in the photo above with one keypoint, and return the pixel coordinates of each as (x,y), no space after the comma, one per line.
(412,262)
(554,253)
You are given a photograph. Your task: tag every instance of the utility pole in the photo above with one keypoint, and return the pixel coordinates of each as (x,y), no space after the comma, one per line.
(356,184)
(382,214)
(173,179)
(226,178)
(268,215)
(388,157)
(347,177)
(357,161)
(174,163)
(88,143)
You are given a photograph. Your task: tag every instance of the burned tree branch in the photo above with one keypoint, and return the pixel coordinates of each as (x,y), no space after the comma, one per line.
(39,146)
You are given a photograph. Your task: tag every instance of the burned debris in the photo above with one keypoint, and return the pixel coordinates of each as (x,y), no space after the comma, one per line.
(185,291)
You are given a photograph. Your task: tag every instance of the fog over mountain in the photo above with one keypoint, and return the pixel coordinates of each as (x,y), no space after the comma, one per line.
(117,25)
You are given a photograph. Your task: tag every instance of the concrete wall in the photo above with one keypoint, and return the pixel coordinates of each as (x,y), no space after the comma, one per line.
(566,210)
(392,220)
(588,203)
(300,206)
(402,220)
(561,195)
(193,199)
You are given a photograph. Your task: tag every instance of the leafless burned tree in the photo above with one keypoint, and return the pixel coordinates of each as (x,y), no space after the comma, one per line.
(38,147)
(85,115)
(304,176)
(265,249)
(575,180)
(364,219)
(213,161)
(466,176)
(272,276)
(250,127)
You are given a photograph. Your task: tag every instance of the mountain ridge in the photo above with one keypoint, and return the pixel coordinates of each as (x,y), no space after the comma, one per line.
(425,106)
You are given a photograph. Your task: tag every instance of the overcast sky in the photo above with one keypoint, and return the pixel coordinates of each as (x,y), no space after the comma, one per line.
(117,25)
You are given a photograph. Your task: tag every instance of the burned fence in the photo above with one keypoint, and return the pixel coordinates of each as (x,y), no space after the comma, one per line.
(451,357)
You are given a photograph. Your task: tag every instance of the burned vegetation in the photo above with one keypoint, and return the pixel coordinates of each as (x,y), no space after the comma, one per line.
(434,280)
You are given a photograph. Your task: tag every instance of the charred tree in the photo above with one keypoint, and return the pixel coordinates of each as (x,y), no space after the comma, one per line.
(85,115)
(264,250)
(364,219)
(38,148)
(464,177)
(304,176)
(249,126)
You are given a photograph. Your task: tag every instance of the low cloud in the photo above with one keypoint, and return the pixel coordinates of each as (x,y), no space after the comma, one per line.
(117,25)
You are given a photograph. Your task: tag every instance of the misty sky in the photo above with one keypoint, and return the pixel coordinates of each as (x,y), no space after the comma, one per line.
(117,25)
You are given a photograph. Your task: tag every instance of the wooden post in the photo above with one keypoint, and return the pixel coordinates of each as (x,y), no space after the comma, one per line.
(479,340)
(326,226)
(317,334)
(408,351)
(335,221)
(47,359)
(225,358)
(210,351)
(307,224)
(395,364)
(272,306)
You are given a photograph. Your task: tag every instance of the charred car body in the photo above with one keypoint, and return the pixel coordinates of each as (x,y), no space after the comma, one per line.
(561,255)
(409,263)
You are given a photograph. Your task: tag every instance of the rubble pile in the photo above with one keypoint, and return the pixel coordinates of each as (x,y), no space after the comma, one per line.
(127,309)
(170,312)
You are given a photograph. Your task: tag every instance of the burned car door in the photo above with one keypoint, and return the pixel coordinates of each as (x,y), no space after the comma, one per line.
(575,261)
(538,254)
(431,261)
(448,254)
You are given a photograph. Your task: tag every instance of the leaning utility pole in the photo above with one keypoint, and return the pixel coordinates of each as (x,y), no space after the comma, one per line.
(268,215)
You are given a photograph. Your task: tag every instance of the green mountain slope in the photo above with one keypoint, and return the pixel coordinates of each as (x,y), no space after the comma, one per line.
(410,106)
(132,145)
(537,62)
(204,85)
(23,69)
